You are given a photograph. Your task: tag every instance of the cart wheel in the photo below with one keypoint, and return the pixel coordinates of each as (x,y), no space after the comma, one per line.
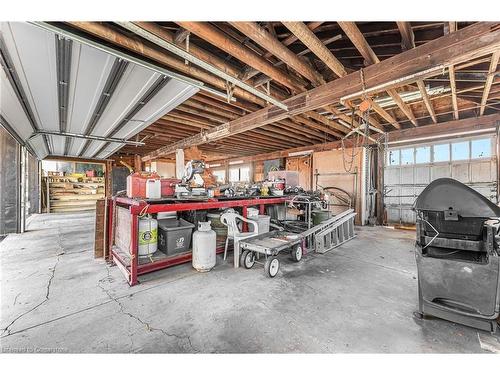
(297,253)
(247,259)
(272,266)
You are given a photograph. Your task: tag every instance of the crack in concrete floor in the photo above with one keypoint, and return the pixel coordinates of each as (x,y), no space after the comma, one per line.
(47,293)
(148,325)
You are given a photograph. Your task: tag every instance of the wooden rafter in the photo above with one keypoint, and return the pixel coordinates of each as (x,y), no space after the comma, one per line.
(356,36)
(275,47)
(408,42)
(452,27)
(489,80)
(242,53)
(453,86)
(309,39)
(476,40)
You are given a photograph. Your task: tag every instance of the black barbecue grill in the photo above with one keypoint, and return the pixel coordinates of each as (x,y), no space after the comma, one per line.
(457,254)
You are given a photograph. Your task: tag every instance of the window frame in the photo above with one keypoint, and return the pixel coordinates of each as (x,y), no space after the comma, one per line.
(449,142)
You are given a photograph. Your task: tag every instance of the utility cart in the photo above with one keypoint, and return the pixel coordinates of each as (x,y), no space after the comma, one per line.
(270,245)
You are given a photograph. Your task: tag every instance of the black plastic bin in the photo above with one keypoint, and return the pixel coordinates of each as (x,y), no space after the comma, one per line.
(174,236)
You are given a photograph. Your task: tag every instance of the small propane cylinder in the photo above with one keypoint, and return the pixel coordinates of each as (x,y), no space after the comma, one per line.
(148,235)
(204,244)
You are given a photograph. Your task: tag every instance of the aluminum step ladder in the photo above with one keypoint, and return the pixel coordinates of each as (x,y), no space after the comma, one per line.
(335,234)
(310,234)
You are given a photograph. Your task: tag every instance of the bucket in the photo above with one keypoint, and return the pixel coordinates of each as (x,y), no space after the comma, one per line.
(318,216)
(219,228)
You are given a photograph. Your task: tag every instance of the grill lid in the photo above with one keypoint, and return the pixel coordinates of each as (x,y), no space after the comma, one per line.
(447,194)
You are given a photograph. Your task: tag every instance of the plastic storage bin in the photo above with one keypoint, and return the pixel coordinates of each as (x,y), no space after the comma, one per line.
(174,236)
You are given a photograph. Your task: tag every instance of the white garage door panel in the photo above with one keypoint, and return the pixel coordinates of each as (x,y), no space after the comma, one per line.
(393,196)
(408,195)
(407,175)
(440,171)
(404,183)
(392,176)
(422,174)
(482,171)
(460,172)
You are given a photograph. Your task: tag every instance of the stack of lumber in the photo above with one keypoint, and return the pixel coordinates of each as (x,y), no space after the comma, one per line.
(73,193)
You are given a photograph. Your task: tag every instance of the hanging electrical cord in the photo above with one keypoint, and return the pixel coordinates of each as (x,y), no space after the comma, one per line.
(349,162)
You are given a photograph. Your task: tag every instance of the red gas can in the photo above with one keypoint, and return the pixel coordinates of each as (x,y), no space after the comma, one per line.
(136,183)
(168,186)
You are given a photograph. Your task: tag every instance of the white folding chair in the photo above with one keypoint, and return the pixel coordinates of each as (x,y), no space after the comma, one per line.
(230,219)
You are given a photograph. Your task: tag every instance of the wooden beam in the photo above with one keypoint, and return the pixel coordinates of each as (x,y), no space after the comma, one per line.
(479,39)
(385,115)
(407,36)
(452,27)
(180,35)
(217,38)
(489,80)
(311,41)
(274,46)
(444,129)
(473,124)
(402,105)
(453,85)
(426,99)
(408,42)
(250,72)
(330,123)
(356,36)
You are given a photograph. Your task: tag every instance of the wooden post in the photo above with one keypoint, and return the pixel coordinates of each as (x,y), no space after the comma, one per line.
(137,163)
(380,186)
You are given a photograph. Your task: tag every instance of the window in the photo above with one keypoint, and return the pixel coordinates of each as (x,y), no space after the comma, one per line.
(460,151)
(423,154)
(393,157)
(220,176)
(441,152)
(83,167)
(480,148)
(234,174)
(239,174)
(407,156)
(245,174)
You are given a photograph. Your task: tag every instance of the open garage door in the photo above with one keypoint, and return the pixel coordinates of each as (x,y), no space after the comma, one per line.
(409,169)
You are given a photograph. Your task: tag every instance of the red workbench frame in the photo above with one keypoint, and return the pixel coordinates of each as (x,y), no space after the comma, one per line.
(137,207)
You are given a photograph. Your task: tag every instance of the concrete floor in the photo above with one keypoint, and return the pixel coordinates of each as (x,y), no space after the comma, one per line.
(358,298)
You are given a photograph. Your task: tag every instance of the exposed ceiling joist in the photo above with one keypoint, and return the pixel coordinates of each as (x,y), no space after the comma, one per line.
(489,80)
(266,40)
(426,60)
(408,42)
(453,85)
(239,51)
(356,36)
(310,40)
(171,47)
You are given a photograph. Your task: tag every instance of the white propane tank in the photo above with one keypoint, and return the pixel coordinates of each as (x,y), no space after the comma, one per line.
(148,235)
(204,244)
